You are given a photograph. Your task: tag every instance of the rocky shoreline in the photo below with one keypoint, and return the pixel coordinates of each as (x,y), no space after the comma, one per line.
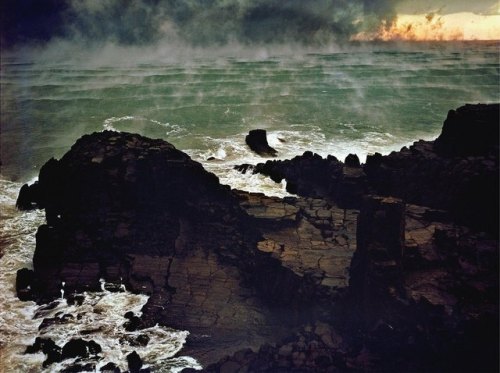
(391,265)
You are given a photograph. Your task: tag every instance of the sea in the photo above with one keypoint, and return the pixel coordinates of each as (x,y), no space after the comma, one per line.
(359,98)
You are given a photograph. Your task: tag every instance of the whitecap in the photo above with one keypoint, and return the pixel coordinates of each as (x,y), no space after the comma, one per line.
(100,317)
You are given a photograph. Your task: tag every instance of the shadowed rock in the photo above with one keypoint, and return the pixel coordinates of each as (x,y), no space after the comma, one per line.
(134,362)
(137,211)
(471,130)
(24,284)
(257,141)
(241,270)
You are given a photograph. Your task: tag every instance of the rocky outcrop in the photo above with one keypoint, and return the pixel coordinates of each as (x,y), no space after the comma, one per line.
(137,212)
(74,348)
(312,238)
(387,266)
(426,290)
(457,172)
(471,130)
(305,175)
(466,186)
(423,296)
(310,175)
(257,141)
(115,202)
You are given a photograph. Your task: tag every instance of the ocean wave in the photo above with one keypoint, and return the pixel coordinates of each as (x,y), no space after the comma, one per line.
(99,318)
(144,126)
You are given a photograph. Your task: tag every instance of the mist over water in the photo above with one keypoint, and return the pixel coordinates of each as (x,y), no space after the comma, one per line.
(180,78)
(99,318)
(331,100)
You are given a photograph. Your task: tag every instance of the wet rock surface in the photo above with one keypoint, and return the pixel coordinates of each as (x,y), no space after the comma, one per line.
(257,141)
(458,172)
(387,266)
(139,213)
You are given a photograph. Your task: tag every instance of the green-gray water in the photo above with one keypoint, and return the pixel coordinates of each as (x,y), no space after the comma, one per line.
(375,97)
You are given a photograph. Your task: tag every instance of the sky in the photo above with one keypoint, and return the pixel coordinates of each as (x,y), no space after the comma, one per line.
(445,20)
(208,22)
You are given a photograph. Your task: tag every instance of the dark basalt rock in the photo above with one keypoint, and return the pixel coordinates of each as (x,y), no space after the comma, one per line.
(110,368)
(308,175)
(24,283)
(241,270)
(114,196)
(408,291)
(134,362)
(80,348)
(76,368)
(42,344)
(467,187)
(352,161)
(137,211)
(471,130)
(132,324)
(257,141)
(48,347)
(27,197)
(316,348)
(458,172)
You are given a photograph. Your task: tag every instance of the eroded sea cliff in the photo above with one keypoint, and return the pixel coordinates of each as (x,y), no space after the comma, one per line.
(391,265)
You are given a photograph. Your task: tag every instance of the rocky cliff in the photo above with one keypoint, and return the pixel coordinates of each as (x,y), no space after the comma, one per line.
(222,264)
(387,266)
(458,172)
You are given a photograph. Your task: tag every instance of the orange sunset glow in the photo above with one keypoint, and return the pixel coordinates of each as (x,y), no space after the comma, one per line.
(435,27)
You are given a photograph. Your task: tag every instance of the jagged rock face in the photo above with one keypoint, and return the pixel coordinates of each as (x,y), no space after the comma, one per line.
(216,262)
(467,187)
(471,130)
(420,294)
(257,141)
(311,175)
(457,172)
(113,197)
(305,175)
(423,290)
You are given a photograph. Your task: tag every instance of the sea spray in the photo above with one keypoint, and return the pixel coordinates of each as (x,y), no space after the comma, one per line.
(99,317)
(362,99)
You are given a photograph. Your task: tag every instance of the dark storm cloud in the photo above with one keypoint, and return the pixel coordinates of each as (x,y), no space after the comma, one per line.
(197,22)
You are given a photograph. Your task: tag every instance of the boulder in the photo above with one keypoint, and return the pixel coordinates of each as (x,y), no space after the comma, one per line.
(27,197)
(110,368)
(134,362)
(80,348)
(24,284)
(257,141)
(352,161)
(241,270)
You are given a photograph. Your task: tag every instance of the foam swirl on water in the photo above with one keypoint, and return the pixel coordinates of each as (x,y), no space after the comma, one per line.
(100,317)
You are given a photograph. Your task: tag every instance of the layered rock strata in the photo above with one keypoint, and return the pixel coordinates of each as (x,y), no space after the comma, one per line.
(219,263)
(387,266)
(458,172)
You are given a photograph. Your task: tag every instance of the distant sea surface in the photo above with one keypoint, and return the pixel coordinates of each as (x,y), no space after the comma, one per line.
(360,99)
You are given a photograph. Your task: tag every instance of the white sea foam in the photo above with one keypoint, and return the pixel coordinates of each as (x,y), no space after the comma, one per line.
(100,317)
(220,155)
(145,126)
